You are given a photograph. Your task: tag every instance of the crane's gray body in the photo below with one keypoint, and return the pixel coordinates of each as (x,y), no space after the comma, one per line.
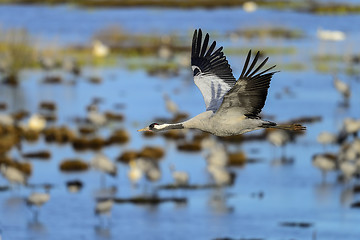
(228,124)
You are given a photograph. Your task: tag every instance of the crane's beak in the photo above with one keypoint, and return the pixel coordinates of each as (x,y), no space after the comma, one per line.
(146,129)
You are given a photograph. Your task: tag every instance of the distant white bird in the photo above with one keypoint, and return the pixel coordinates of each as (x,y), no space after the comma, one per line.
(74,186)
(232,107)
(165,52)
(71,65)
(135,173)
(6,120)
(170,105)
(249,6)
(153,174)
(220,175)
(47,63)
(325,162)
(100,50)
(348,169)
(330,35)
(102,163)
(342,88)
(326,138)
(13,175)
(96,118)
(278,138)
(103,209)
(180,178)
(357,164)
(217,155)
(37,199)
(37,122)
(351,126)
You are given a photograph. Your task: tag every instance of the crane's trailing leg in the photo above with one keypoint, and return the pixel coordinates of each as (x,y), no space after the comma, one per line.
(290,127)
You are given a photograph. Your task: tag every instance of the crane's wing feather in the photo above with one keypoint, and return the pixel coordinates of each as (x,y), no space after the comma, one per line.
(248,95)
(212,73)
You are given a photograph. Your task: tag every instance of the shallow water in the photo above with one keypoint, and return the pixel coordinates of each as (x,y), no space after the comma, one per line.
(291,193)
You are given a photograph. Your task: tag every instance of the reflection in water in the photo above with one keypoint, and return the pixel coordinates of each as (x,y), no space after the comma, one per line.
(282,161)
(14,204)
(15,97)
(346,196)
(36,227)
(106,192)
(218,202)
(323,192)
(102,232)
(180,205)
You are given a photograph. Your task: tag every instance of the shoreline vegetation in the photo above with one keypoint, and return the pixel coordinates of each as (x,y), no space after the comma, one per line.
(315,7)
(18,51)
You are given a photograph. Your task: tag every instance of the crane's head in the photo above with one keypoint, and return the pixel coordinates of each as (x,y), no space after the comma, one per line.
(154,127)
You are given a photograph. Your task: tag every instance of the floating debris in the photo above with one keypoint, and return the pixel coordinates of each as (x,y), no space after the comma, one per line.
(85,130)
(173,134)
(271,32)
(39,155)
(201,136)
(310,119)
(20,115)
(114,116)
(228,238)
(152,152)
(180,117)
(7,141)
(82,144)
(120,136)
(356,189)
(149,134)
(3,106)
(233,139)
(236,159)
(355,205)
(173,186)
(58,135)
(30,135)
(4,188)
(193,146)
(296,224)
(143,200)
(95,80)
(127,156)
(73,165)
(50,117)
(52,80)
(74,186)
(51,106)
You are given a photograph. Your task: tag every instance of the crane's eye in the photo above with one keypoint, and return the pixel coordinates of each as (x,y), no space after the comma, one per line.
(151,126)
(196,71)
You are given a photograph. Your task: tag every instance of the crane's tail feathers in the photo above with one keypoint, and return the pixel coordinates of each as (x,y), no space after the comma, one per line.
(289,127)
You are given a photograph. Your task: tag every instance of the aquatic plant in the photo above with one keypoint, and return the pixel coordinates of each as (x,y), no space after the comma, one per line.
(270,32)
(16,53)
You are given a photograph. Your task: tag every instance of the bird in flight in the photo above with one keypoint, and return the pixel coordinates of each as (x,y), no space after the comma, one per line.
(232,107)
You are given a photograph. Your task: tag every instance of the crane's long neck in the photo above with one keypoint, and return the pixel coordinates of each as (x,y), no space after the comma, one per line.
(168,126)
(200,121)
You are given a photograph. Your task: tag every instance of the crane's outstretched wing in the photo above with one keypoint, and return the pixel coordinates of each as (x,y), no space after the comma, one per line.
(248,95)
(212,73)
